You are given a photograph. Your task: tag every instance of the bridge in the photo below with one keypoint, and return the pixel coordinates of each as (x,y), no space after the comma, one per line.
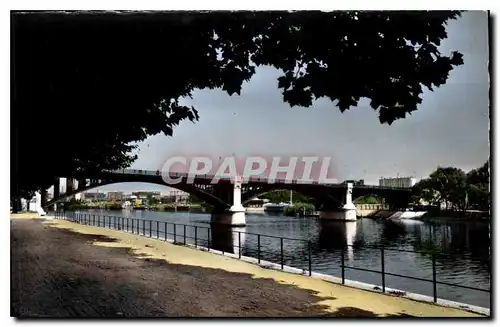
(228,197)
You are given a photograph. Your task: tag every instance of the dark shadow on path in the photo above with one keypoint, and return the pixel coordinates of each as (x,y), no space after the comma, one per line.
(59,273)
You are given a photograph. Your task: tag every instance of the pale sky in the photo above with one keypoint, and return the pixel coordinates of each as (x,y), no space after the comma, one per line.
(450,127)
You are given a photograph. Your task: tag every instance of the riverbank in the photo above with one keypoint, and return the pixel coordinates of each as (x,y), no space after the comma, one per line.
(99,272)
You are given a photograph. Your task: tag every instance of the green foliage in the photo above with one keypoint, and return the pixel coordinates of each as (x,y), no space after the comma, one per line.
(193,199)
(299,209)
(73,205)
(424,190)
(455,188)
(113,206)
(152,200)
(108,80)
(478,181)
(370,199)
(278,196)
(207,207)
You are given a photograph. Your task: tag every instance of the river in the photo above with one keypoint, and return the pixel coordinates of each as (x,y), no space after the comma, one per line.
(462,248)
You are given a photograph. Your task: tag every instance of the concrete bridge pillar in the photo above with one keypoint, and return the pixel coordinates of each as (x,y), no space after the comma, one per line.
(70,185)
(43,199)
(82,183)
(235,216)
(347,212)
(57,188)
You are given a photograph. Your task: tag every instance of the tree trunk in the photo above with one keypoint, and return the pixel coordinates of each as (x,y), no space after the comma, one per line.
(16,205)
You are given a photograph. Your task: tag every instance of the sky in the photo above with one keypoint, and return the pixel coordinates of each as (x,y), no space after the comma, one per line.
(450,127)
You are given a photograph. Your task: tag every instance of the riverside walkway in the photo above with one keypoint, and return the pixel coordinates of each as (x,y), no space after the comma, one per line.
(64,269)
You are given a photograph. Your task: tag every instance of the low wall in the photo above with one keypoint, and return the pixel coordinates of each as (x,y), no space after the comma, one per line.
(369,210)
(254,209)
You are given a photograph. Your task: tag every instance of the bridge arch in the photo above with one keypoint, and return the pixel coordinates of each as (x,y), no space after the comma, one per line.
(190,189)
(263,190)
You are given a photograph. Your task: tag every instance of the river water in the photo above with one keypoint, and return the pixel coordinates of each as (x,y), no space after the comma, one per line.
(462,250)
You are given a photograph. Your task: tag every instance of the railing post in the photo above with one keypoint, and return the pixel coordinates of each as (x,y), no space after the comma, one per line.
(310,260)
(127,224)
(208,237)
(184,234)
(239,245)
(175,233)
(281,248)
(157,229)
(195,236)
(342,265)
(383,269)
(166,228)
(258,248)
(143,228)
(434,284)
(150,223)
(133,230)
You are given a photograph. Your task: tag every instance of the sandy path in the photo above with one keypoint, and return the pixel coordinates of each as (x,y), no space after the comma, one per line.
(65,269)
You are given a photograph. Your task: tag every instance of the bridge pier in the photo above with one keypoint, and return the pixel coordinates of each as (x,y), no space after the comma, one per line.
(235,216)
(346,213)
(43,199)
(70,185)
(56,192)
(57,188)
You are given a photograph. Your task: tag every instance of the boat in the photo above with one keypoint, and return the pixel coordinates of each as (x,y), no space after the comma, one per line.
(278,207)
(275,206)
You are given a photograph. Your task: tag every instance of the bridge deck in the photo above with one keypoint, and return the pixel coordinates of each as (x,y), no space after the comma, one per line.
(251,179)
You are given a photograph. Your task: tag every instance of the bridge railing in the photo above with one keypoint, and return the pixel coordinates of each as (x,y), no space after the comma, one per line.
(203,237)
(255,179)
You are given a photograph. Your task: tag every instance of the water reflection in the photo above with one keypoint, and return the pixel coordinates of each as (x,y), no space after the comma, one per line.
(336,235)
(227,239)
(463,247)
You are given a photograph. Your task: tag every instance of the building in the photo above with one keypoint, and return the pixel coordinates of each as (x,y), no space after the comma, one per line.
(175,197)
(94,196)
(397,182)
(115,196)
(146,194)
(361,182)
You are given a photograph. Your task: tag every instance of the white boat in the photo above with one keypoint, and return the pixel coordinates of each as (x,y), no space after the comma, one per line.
(127,205)
(275,206)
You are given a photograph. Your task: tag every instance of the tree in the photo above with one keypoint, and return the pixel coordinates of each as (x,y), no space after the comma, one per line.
(424,190)
(279,196)
(478,181)
(86,86)
(454,187)
(450,183)
(151,200)
(370,199)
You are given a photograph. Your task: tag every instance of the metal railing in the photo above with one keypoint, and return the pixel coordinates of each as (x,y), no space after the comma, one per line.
(133,225)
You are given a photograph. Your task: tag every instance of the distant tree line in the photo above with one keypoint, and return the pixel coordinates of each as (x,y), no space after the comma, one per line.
(278,196)
(452,188)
